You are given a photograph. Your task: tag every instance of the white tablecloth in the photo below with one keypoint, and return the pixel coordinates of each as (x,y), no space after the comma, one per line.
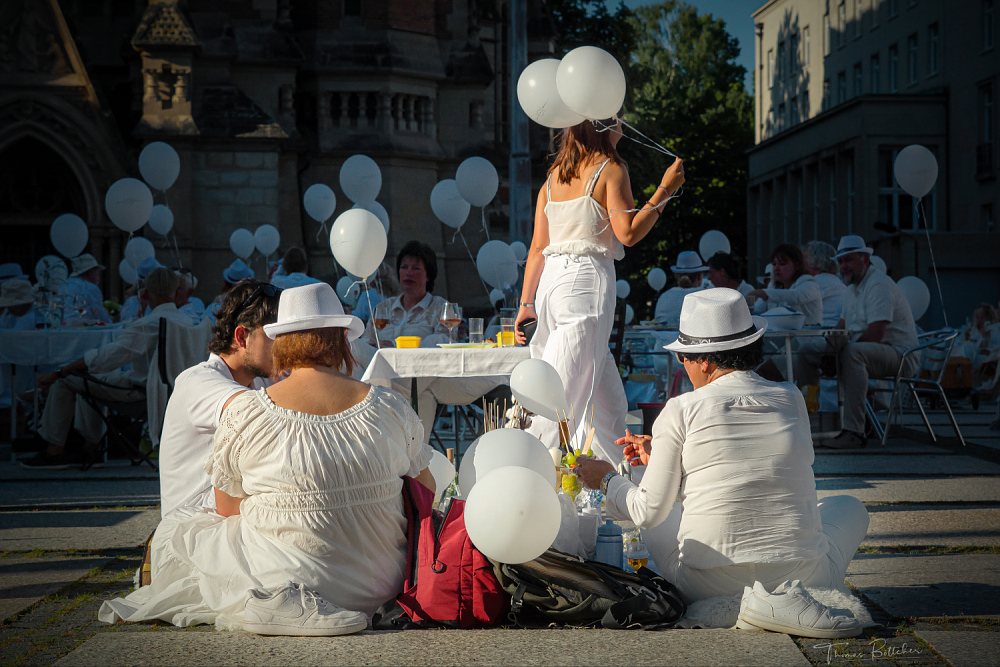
(391,363)
(51,346)
(788,336)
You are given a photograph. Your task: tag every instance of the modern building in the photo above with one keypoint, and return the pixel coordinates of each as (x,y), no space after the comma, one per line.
(261,99)
(841,87)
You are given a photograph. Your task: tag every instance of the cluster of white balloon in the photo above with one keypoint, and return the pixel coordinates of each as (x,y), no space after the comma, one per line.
(587,84)
(265,240)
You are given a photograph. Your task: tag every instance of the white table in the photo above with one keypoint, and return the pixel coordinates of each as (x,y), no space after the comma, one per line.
(796,333)
(490,362)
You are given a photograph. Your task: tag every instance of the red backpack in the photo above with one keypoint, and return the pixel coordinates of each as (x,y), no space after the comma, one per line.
(449,583)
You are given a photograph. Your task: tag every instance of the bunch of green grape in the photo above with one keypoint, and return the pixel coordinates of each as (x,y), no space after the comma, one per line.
(571,484)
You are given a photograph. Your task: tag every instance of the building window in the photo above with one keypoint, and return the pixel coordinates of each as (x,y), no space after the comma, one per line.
(874,67)
(896,209)
(893,8)
(911,50)
(933,35)
(857,19)
(782,116)
(988,222)
(814,180)
(770,68)
(805,46)
(850,194)
(799,208)
(841,88)
(893,68)
(805,104)
(826,94)
(842,27)
(987,132)
(793,106)
(832,171)
(987,24)
(781,70)
(859,82)
(874,13)
(794,61)
(827,36)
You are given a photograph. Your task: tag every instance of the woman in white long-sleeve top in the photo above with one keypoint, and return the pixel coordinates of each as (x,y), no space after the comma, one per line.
(791,286)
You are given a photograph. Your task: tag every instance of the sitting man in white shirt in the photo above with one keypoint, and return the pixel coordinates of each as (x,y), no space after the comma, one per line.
(821,265)
(240,358)
(82,294)
(133,347)
(738,454)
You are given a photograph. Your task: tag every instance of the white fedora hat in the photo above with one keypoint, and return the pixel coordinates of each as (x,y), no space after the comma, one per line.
(12,271)
(16,292)
(313,306)
(83,263)
(852,243)
(716,319)
(237,271)
(688,262)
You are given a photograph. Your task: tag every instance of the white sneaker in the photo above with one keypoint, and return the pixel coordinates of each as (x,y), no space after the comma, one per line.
(297,610)
(791,610)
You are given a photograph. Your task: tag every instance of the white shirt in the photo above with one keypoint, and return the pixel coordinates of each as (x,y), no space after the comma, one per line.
(804,296)
(423,319)
(668,306)
(877,299)
(294,279)
(80,293)
(25,322)
(831,288)
(189,427)
(134,345)
(738,454)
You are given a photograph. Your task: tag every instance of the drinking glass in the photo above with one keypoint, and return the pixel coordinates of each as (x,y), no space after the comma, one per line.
(475,330)
(635,551)
(507,331)
(451,317)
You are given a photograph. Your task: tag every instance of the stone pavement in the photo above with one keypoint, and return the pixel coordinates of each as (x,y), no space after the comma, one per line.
(929,571)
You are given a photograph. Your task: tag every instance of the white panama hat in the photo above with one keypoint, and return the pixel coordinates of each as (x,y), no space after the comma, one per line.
(688,262)
(83,263)
(313,306)
(237,271)
(716,319)
(852,243)
(16,292)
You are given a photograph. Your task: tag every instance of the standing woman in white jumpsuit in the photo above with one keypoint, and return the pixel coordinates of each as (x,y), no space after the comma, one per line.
(583,216)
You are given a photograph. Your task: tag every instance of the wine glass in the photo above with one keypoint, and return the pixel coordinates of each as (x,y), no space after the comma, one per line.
(380,318)
(451,317)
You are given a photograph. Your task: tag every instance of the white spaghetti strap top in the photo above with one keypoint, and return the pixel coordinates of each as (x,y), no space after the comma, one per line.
(581,226)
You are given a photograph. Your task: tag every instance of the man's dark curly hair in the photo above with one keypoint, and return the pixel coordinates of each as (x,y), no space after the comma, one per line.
(744,358)
(262,310)
(425,254)
(722,261)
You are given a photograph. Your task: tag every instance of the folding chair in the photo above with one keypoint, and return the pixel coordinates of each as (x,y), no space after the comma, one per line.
(935,349)
(118,416)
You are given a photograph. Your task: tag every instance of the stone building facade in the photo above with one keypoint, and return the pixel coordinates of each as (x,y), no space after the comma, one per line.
(842,86)
(261,99)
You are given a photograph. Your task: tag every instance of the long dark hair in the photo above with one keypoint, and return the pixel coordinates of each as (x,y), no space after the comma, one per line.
(579,143)
(790,253)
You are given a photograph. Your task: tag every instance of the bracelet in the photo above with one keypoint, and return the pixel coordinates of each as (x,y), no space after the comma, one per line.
(604,482)
(527,305)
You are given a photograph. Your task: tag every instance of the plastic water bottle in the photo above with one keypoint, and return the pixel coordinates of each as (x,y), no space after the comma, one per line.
(609,544)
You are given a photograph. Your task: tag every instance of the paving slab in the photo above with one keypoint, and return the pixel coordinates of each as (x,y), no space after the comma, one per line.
(25,581)
(929,586)
(933,526)
(79,493)
(868,463)
(871,489)
(110,529)
(442,647)
(112,470)
(965,648)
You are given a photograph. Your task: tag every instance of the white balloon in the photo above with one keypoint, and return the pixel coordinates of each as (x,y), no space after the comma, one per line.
(128,203)
(917,295)
(878,263)
(622,288)
(161,219)
(497,264)
(159,165)
(448,204)
(319,202)
(379,211)
(629,314)
(657,278)
(138,249)
(477,181)
(512,515)
(537,386)
(505,447)
(497,295)
(348,290)
(520,251)
(591,82)
(443,472)
(266,238)
(127,272)
(69,234)
(241,243)
(358,241)
(537,93)
(711,242)
(916,170)
(51,272)
(360,179)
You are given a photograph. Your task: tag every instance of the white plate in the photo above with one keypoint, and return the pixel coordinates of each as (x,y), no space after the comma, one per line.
(475,345)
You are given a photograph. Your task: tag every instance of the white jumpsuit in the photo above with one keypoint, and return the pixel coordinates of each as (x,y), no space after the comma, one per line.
(575,303)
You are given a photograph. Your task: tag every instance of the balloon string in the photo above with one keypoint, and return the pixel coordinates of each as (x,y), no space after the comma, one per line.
(485,228)
(177,251)
(458,232)
(322,228)
(649,143)
(930,248)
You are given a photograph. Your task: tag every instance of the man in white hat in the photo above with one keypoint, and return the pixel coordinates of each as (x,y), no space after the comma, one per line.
(17,301)
(132,348)
(81,289)
(688,273)
(739,452)
(232,274)
(880,328)
(240,358)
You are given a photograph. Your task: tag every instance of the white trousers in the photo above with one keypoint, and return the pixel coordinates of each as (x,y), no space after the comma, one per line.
(63,407)
(575,302)
(845,524)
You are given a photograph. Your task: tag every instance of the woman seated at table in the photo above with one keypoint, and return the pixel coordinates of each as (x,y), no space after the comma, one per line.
(737,452)
(307,477)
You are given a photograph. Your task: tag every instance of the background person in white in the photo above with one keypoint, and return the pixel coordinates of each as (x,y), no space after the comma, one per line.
(134,348)
(81,291)
(240,358)
(880,328)
(688,274)
(738,453)
(821,265)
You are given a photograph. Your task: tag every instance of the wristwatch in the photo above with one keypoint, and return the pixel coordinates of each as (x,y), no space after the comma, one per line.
(605,480)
